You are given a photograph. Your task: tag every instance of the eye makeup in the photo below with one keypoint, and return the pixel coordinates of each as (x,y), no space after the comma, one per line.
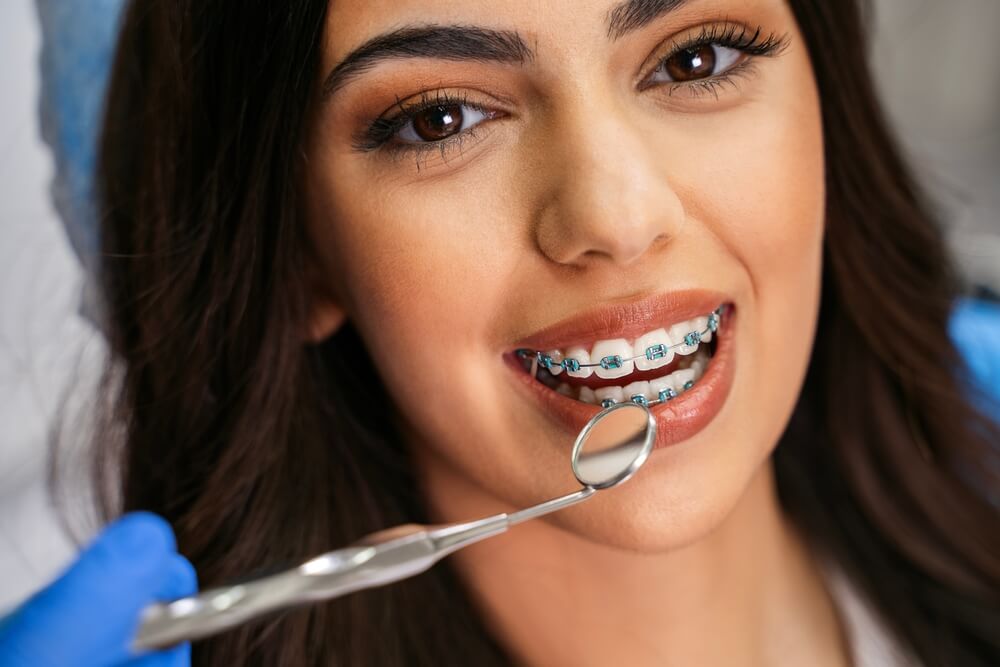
(735,37)
(379,133)
(382,134)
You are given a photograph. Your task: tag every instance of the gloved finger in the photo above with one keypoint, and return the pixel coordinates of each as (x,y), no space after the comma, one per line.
(87,615)
(180,580)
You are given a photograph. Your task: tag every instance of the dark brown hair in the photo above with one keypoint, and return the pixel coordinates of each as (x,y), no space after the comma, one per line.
(261,450)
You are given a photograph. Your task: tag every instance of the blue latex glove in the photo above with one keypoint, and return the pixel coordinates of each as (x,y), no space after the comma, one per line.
(89,616)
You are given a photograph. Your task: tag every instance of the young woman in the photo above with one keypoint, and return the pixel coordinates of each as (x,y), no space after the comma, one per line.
(337,234)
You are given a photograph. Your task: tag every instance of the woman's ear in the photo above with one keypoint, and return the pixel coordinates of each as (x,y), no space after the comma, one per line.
(326,315)
(325,318)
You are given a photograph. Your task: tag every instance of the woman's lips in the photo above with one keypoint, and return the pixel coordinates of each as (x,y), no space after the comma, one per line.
(676,420)
(627,319)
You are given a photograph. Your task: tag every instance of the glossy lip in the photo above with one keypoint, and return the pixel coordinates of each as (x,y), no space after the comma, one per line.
(624,320)
(676,420)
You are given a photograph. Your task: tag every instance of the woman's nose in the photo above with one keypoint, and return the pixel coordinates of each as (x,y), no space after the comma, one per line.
(609,196)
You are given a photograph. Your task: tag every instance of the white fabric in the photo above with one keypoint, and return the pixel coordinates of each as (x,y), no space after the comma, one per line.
(872,645)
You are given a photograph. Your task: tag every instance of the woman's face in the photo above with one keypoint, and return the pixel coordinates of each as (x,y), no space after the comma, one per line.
(574,159)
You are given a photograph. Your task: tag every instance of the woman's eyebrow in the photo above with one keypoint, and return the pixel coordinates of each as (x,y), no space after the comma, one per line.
(475,43)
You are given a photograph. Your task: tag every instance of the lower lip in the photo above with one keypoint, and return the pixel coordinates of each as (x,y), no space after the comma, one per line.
(678,419)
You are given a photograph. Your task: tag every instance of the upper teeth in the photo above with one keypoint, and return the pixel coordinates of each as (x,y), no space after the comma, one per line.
(619,357)
(657,390)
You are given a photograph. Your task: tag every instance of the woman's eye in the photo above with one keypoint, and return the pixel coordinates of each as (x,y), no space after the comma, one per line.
(440,122)
(698,62)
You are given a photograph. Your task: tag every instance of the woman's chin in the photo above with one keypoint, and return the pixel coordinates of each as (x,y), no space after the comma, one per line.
(645,515)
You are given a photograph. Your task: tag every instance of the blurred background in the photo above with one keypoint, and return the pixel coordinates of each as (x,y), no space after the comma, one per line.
(935,62)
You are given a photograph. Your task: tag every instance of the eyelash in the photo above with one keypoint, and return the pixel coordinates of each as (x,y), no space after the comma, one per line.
(379,134)
(381,131)
(731,36)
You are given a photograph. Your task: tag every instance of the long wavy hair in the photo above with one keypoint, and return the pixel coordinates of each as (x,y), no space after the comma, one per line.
(261,449)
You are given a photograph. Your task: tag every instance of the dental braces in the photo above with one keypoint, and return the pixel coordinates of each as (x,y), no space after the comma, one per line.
(609,362)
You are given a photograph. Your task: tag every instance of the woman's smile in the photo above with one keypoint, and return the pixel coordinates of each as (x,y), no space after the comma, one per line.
(688,374)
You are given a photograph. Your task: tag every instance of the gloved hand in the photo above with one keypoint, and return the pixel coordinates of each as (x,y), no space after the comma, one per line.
(89,616)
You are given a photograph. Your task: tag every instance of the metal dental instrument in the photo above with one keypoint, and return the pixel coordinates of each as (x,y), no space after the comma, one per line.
(617,441)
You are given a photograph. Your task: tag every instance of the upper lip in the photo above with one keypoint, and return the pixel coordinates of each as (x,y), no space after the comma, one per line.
(627,319)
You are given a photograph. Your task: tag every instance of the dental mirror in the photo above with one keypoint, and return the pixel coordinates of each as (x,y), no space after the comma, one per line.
(612,446)
(609,449)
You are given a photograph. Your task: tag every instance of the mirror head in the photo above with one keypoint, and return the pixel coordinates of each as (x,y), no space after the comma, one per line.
(613,445)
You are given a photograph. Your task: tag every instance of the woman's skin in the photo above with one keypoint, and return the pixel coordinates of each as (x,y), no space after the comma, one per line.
(584,188)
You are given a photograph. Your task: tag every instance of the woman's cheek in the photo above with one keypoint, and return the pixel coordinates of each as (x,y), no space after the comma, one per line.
(777,233)
(423,281)
(753,190)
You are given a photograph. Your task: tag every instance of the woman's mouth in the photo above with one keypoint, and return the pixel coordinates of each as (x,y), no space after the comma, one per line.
(657,367)
(681,370)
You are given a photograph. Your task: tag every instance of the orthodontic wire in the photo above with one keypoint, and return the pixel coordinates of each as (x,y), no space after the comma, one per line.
(668,394)
(692,338)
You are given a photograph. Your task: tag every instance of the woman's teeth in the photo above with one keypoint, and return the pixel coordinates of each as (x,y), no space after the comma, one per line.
(690,370)
(617,351)
(618,358)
